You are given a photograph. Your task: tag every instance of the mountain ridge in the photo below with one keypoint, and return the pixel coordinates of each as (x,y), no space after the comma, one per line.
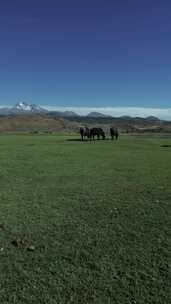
(29,108)
(22,108)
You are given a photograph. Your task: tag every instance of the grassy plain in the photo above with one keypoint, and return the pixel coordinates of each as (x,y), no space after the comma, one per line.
(98,214)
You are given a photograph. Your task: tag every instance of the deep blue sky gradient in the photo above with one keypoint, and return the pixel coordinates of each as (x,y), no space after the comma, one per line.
(86,53)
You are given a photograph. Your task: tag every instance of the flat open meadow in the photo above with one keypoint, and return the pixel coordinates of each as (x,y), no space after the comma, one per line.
(85,222)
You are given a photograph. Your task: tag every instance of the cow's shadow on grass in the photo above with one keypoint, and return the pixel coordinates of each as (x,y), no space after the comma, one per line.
(74,139)
(165,146)
(86,140)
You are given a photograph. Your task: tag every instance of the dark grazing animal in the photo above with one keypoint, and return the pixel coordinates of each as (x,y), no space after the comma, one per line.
(114,133)
(97,132)
(84,132)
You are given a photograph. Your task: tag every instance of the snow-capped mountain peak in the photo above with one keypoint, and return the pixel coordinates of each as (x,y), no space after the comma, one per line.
(26,107)
(23,106)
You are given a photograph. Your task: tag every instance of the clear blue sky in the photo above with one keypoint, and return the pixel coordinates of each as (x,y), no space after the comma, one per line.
(86,53)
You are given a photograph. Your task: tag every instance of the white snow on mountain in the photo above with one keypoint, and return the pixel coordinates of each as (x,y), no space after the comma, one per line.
(23,106)
(26,107)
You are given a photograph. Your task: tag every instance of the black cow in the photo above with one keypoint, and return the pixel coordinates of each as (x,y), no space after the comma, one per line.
(84,132)
(114,133)
(97,132)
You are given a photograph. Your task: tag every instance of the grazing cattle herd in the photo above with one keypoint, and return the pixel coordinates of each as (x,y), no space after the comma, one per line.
(92,133)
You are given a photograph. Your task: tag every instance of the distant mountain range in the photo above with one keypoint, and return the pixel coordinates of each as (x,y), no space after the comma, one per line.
(24,108)
(97,114)
(25,117)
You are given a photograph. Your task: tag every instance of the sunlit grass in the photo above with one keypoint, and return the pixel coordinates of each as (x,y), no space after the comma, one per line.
(97,213)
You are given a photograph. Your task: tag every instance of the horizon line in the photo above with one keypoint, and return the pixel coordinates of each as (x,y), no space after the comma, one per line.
(162,113)
(116,111)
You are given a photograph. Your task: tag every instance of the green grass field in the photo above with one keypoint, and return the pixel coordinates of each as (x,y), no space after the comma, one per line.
(98,215)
